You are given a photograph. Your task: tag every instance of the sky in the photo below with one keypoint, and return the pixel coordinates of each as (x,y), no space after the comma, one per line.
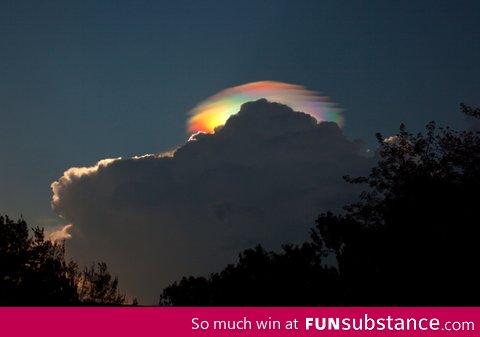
(81,81)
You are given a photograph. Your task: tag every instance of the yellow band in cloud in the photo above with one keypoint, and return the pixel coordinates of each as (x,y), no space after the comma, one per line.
(215,110)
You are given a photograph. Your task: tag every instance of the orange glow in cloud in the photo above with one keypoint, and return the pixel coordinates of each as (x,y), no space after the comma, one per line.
(215,110)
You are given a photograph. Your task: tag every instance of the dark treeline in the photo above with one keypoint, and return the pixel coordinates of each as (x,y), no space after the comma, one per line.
(34,272)
(411,239)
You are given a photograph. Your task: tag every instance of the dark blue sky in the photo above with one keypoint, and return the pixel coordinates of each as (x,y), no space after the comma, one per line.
(85,80)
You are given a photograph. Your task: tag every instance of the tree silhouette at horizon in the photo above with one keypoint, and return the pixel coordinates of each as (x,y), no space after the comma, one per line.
(411,239)
(34,272)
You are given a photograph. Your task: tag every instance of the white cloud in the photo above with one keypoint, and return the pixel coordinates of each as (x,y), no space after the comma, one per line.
(74,173)
(392,139)
(262,178)
(58,234)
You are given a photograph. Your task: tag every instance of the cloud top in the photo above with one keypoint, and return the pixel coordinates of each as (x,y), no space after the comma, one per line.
(215,110)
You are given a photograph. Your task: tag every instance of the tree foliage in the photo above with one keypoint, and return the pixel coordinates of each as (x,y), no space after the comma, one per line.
(411,239)
(34,272)
(259,278)
(96,286)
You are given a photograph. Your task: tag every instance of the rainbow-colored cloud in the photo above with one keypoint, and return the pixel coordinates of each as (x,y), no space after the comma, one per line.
(215,110)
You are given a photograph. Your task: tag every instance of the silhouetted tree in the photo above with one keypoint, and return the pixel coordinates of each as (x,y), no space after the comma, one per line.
(412,239)
(292,277)
(97,287)
(470,111)
(33,271)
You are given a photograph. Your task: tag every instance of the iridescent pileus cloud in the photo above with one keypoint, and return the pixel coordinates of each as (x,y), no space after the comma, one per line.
(262,178)
(215,110)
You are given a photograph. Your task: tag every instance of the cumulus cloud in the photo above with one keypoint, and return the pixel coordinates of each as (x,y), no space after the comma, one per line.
(58,234)
(261,178)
